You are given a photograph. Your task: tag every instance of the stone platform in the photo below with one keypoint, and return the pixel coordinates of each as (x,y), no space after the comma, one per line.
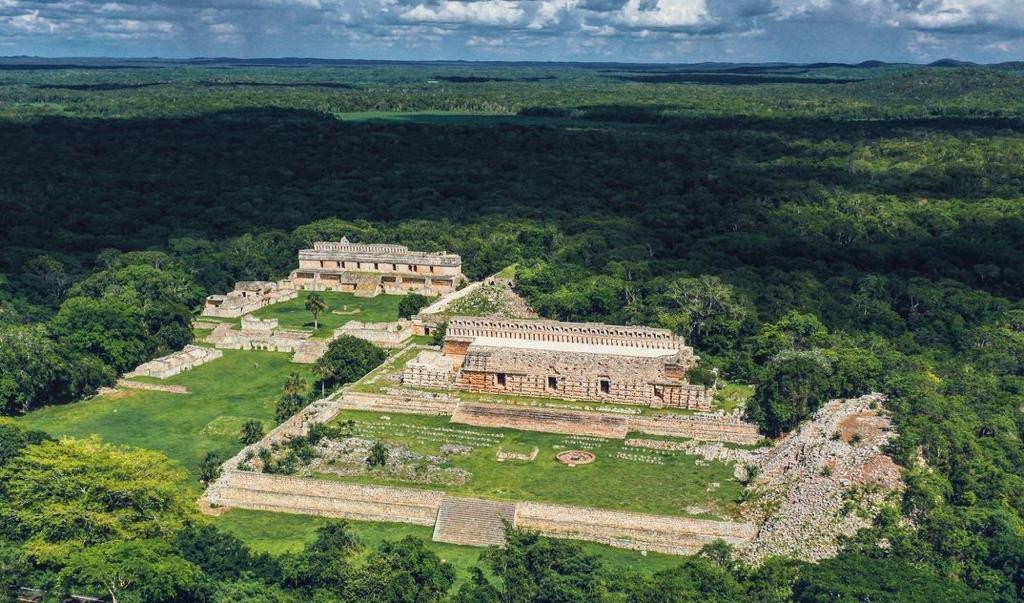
(548,420)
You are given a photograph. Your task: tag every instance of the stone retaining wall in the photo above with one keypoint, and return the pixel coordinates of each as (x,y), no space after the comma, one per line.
(154,387)
(390,404)
(663,534)
(308,496)
(714,428)
(547,420)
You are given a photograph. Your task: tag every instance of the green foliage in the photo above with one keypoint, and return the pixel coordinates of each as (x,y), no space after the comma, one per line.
(209,467)
(141,571)
(378,455)
(95,493)
(15,437)
(347,359)
(701,375)
(795,384)
(411,304)
(402,572)
(437,338)
(252,432)
(850,578)
(316,305)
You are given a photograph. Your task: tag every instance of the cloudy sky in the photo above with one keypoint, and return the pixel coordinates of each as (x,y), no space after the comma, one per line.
(621,30)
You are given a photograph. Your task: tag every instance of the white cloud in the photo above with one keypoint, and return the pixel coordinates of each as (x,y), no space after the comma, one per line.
(638,28)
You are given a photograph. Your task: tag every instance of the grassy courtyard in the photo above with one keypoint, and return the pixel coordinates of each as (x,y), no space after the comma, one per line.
(222,395)
(622,478)
(341,308)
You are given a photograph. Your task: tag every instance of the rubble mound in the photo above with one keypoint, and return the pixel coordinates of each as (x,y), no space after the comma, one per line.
(826,480)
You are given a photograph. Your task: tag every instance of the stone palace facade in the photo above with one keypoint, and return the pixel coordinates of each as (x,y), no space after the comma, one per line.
(571,361)
(369,269)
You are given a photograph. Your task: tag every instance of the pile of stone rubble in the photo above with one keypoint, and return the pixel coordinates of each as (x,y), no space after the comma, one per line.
(826,480)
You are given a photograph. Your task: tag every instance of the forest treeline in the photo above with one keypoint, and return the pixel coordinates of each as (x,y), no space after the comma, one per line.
(812,257)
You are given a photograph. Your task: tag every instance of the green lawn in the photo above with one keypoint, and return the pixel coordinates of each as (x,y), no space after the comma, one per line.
(223,394)
(293,314)
(278,533)
(644,481)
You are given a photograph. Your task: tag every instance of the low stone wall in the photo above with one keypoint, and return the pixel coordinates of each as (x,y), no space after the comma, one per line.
(392,404)
(640,531)
(154,387)
(713,428)
(547,420)
(308,496)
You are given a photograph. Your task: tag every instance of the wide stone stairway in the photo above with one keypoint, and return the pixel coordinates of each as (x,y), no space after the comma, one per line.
(472,521)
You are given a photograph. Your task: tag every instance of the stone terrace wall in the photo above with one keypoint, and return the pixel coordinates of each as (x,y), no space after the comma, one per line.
(715,428)
(307,496)
(663,534)
(392,404)
(548,420)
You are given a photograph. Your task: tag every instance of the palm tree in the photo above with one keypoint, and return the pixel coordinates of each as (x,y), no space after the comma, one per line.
(315,303)
(295,385)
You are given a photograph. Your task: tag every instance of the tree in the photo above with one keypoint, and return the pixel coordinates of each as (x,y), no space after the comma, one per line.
(14,437)
(402,572)
(292,398)
(532,567)
(222,555)
(378,455)
(36,370)
(411,304)
(347,359)
(252,432)
(325,563)
(316,305)
(250,591)
(73,494)
(146,571)
(111,328)
(795,384)
(858,578)
(209,467)
(706,310)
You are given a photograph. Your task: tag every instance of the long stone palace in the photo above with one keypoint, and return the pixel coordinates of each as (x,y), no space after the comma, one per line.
(369,269)
(366,270)
(566,360)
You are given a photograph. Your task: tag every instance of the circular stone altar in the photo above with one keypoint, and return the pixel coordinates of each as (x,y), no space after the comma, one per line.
(576,457)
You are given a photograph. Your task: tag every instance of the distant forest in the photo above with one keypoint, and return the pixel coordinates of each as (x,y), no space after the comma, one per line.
(842,228)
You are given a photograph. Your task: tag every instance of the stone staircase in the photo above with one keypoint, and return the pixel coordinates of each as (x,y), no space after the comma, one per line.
(473,522)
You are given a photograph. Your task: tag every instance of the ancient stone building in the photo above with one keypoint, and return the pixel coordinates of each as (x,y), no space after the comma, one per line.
(248,296)
(264,334)
(367,270)
(574,361)
(185,359)
(383,334)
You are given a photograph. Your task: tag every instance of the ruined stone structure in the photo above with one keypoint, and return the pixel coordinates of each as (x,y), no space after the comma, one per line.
(264,334)
(248,296)
(369,269)
(185,359)
(572,361)
(382,334)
